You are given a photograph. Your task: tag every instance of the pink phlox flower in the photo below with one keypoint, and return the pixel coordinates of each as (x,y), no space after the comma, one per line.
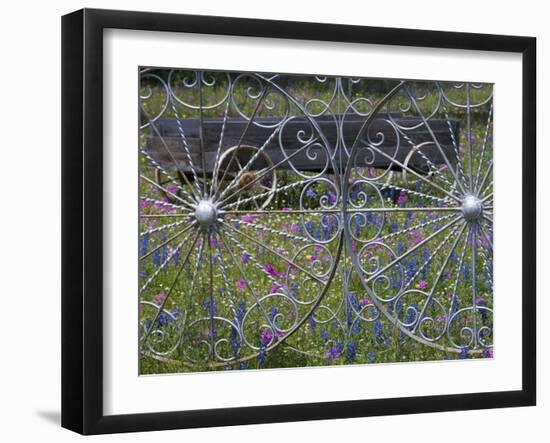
(241,284)
(248,218)
(159,298)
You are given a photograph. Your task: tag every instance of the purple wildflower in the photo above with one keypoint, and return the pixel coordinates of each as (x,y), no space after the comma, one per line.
(241,284)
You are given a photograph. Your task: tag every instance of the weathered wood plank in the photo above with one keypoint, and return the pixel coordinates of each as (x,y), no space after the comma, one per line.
(257,136)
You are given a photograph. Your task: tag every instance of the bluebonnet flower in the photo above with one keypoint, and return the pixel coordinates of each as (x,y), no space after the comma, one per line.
(164,318)
(464,352)
(334,352)
(356,327)
(357,226)
(324,334)
(208,308)
(234,336)
(466,272)
(412,268)
(377,326)
(411,313)
(262,356)
(394,226)
(239,312)
(245,257)
(400,247)
(144,243)
(454,306)
(399,307)
(156,257)
(311,193)
(349,315)
(352,351)
(371,357)
(352,299)
(393,280)
(164,248)
(425,259)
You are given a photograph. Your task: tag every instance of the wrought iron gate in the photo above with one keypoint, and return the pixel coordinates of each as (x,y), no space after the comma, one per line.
(313,213)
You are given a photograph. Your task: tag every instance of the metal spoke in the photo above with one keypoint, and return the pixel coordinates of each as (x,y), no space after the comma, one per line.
(248,286)
(201,134)
(211,293)
(167,149)
(156,185)
(264,228)
(477,185)
(175,182)
(219,150)
(162,203)
(417,148)
(186,150)
(243,135)
(416,174)
(431,256)
(411,250)
(457,278)
(436,141)
(414,227)
(164,215)
(172,286)
(164,264)
(267,248)
(488,172)
(439,275)
(484,233)
(453,139)
(176,235)
(249,163)
(266,194)
(474,285)
(161,228)
(469,137)
(415,193)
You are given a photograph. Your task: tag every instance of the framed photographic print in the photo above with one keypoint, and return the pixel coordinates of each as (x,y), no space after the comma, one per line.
(282,221)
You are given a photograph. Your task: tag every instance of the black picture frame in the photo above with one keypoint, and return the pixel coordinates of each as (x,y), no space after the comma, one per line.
(82,219)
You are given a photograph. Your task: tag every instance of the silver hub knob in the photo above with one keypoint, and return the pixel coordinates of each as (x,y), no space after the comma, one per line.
(472,208)
(206,213)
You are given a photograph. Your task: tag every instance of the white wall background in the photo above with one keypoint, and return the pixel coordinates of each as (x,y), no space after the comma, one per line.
(30,219)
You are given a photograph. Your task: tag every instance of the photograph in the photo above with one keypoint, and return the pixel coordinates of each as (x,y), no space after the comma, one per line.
(275,222)
(307,220)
